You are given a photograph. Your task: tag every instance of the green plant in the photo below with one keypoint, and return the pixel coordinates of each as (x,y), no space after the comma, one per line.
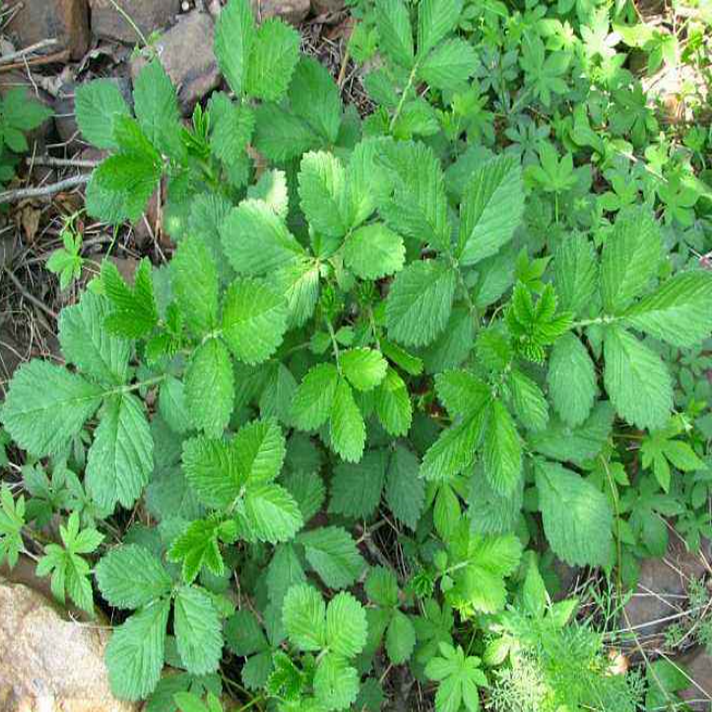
(19,114)
(389,327)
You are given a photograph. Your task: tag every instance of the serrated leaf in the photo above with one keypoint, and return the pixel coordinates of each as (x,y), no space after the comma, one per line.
(461,392)
(87,345)
(436,18)
(213,471)
(528,402)
(156,108)
(400,638)
(243,633)
(332,553)
(96,105)
(677,312)
(259,451)
(575,273)
(491,209)
(256,240)
(346,626)
(315,97)
(134,312)
(272,513)
(419,302)
(393,405)
(374,251)
(234,37)
(367,185)
(364,368)
(231,127)
(210,387)
(322,192)
(274,55)
(418,207)
(298,282)
(148,580)
(172,405)
(572,380)
(405,491)
(198,630)
(194,279)
(395,32)
(356,489)
(502,450)
(630,258)
(382,587)
(282,136)
(577,517)
(454,450)
(450,65)
(315,396)
(304,616)
(347,428)
(42,420)
(135,653)
(253,320)
(285,571)
(197,547)
(120,460)
(636,380)
(335,682)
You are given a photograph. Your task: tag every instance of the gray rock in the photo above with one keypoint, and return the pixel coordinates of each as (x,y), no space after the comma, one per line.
(697,663)
(186,53)
(327,7)
(662,588)
(63,20)
(292,11)
(149,16)
(49,662)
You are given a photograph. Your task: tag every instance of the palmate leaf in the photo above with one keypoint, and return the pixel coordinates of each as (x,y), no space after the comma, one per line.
(577,516)
(136,651)
(120,460)
(678,312)
(43,420)
(636,380)
(419,302)
(491,209)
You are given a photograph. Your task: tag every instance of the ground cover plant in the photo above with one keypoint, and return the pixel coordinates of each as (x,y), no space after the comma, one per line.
(476,319)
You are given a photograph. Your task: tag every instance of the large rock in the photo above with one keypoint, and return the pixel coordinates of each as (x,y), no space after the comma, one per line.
(293,11)
(327,7)
(662,588)
(148,15)
(63,20)
(186,53)
(48,662)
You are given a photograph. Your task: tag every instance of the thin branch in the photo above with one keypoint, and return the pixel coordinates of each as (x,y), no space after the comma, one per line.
(10,196)
(12,56)
(62,162)
(30,297)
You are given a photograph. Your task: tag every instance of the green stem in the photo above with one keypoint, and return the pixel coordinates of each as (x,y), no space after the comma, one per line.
(334,343)
(399,108)
(131,22)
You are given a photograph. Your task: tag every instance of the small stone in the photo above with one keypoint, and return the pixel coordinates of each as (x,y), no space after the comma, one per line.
(63,20)
(662,588)
(186,53)
(292,11)
(49,662)
(148,15)
(327,7)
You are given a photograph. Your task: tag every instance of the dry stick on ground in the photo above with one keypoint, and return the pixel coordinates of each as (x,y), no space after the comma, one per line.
(10,196)
(62,162)
(12,56)
(30,297)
